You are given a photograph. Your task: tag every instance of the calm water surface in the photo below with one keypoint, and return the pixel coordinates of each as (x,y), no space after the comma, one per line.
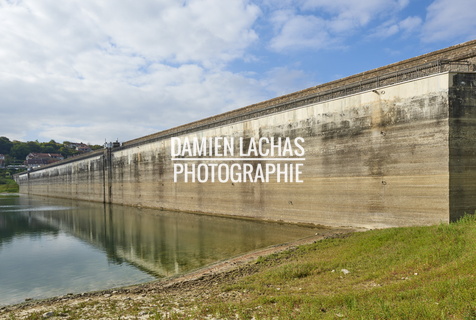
(51,247)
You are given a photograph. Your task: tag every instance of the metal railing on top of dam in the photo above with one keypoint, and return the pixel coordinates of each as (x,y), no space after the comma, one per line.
(386,79)
(399,76)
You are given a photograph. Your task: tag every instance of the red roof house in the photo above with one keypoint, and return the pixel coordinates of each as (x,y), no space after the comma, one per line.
(34,160)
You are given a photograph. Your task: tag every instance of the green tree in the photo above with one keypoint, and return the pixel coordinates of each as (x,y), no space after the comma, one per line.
(96,147)
(5,145)
(9,160)
(33,146)
(20,150)
(67,152)
(50,147)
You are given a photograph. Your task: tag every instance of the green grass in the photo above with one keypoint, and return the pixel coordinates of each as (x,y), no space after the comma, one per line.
(398,273)
(10,186)
(7,184)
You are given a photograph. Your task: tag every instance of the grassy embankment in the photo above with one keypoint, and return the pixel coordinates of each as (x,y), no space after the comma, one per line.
(397,273)
(8,185)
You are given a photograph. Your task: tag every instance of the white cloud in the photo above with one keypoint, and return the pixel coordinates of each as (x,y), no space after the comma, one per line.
(410,24)
(450,19)
(95,70)
(300,32)
(92,111)
(203,31)
(321,24)
(346,14)
(284,80)
(405,27)
(198,30)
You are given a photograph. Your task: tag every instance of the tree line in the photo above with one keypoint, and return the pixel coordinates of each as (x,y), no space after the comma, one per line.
(16,151)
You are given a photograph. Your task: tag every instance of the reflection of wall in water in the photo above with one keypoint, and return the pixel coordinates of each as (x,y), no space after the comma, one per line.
(21,221)
(166,243)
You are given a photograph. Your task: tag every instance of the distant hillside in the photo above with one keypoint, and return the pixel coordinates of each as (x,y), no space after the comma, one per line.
(15,151)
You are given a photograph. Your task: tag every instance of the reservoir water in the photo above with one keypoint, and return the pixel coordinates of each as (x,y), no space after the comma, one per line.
(51,247)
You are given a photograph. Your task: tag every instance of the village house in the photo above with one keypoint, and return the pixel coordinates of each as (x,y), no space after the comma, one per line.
(81,147)
(34,160)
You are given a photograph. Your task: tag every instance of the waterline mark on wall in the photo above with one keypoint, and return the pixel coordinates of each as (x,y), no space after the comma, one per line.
(226,159)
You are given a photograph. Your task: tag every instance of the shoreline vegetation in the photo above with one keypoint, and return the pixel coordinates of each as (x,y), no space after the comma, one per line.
(7,184)
(10,187)
(397,273)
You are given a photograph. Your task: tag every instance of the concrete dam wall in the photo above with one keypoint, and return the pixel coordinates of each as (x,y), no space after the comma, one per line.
(389,147)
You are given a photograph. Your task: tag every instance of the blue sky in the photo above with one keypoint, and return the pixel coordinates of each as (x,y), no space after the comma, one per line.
(90,71)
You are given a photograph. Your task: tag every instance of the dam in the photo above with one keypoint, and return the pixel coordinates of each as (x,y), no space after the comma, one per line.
(393,146)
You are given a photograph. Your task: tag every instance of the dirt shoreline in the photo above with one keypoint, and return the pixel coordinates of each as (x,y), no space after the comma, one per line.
(179,287)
